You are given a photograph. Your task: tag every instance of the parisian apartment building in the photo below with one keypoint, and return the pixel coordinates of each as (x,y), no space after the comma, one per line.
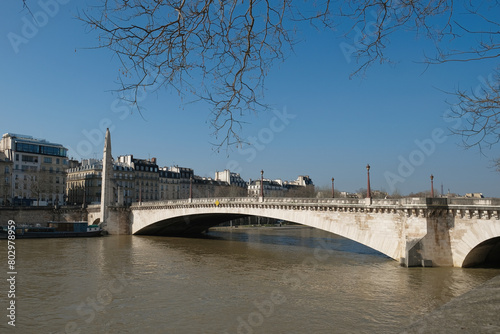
(34,171)
(301,187)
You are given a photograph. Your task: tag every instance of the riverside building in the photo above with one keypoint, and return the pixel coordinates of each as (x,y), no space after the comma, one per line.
(302,187)
(5,181)
(34,171)
(132,180)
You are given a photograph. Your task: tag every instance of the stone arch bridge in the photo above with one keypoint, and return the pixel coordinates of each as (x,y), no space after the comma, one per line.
(415,231)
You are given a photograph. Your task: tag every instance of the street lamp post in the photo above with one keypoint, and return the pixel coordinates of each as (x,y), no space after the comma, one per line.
(262,183)
(191,187)
(333,191)
(140,192)
(432,185)
(368,191)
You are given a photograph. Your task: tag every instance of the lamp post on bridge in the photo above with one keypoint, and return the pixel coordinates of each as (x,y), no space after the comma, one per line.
(368,191)
(190,188)
(432,185)
(333,191)
(262,184)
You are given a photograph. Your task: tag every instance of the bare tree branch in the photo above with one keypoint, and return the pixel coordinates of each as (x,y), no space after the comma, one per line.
(229,45)
(221,51)
(479,112)
(496,164)
(474,26)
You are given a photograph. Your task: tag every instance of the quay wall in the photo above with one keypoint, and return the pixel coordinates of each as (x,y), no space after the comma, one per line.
(34,215)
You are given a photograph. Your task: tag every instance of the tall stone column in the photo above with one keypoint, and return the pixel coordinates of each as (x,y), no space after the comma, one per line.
(106,186)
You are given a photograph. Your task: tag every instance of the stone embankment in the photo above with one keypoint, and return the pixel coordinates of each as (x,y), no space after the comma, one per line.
(43,214)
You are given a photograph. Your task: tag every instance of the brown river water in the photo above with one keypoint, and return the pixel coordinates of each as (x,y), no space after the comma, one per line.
(263,280)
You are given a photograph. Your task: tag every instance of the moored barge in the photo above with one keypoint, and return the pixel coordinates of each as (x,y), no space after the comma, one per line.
(54,230)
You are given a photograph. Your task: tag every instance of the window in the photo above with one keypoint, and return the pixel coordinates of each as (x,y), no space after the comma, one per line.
(6,169)
(29,158)
(50,150)
(47,160)
(57,161)
(22,147)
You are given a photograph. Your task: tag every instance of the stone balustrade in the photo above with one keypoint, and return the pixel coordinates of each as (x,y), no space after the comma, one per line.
(419,207)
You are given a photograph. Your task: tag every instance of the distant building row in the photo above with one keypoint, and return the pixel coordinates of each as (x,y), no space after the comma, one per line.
(140,180)
(37,172)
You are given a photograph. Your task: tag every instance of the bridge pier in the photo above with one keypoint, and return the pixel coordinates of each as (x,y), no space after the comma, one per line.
(454,237)
(118,220)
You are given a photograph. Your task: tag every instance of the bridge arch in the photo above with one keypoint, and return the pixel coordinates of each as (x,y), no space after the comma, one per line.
(479,245)
(362,228)
(186,224)
(486,253)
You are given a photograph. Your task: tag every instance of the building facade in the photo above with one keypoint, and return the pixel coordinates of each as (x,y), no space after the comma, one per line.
(169,184)
(233,179)
(5,181)
(83,185)
(271,188)
(37,171)
(132,180)
(147,177)
(302,187)
(186,176)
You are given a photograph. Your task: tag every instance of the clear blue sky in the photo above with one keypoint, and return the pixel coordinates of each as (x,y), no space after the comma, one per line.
(55,88)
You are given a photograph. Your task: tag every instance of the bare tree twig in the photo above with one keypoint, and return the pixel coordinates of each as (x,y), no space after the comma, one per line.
(479,112)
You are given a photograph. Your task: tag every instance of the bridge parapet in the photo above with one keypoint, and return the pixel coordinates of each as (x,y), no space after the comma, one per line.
(474,201)
(464,208)
(408,205)
(272,200)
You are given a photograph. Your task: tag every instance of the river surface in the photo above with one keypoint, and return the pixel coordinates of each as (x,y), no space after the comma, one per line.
(267,280)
